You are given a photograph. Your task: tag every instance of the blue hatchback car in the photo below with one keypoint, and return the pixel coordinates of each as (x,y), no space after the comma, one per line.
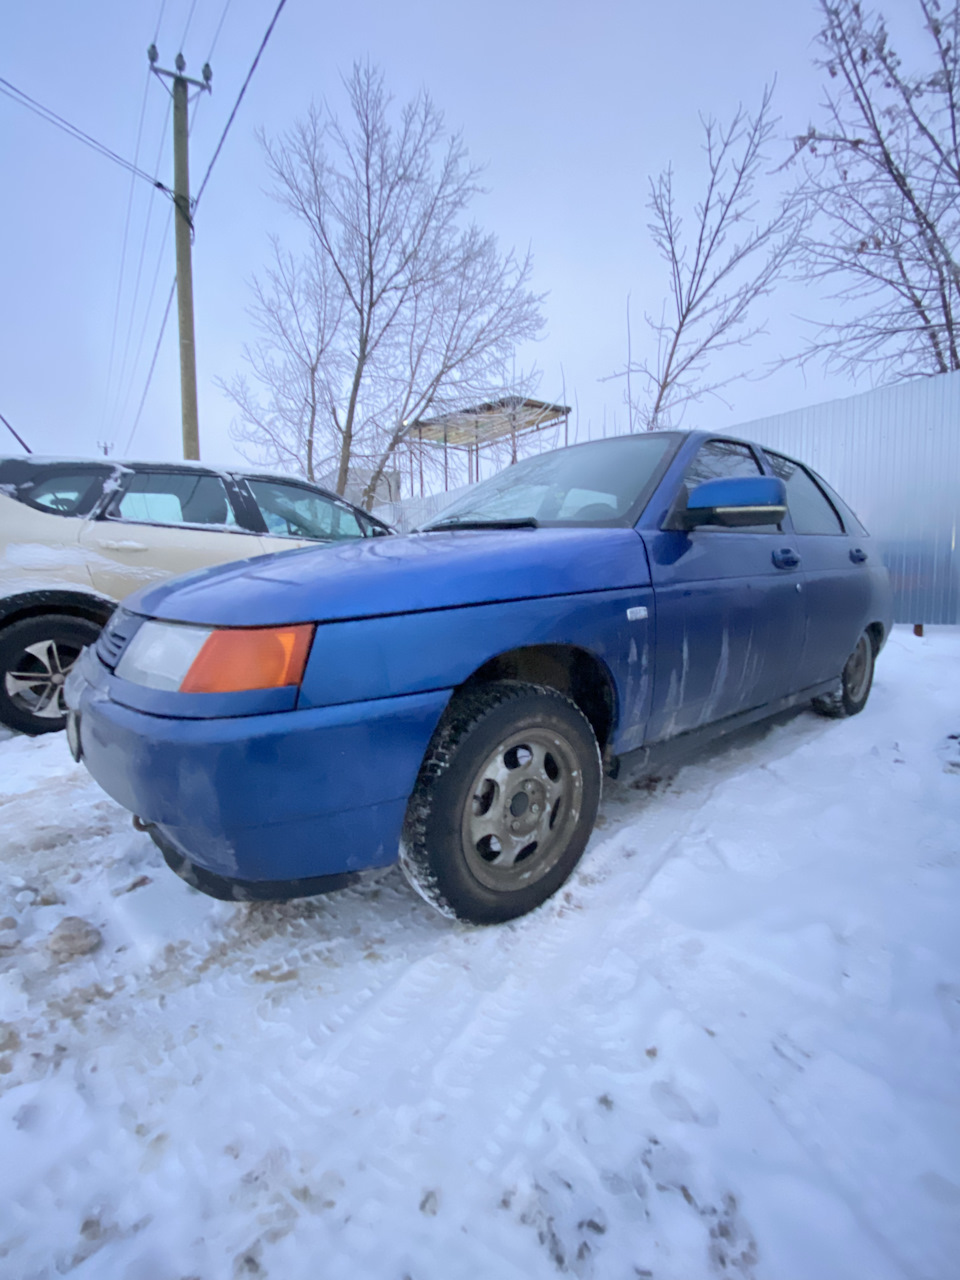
(285,725)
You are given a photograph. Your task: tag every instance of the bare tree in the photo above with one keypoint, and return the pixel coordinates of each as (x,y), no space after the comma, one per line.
(397,309)
(717,272)
(297,311)
(883,175)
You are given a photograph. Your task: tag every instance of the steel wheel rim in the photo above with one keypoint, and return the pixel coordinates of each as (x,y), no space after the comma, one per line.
(36,687)
(522,807)
(857,670)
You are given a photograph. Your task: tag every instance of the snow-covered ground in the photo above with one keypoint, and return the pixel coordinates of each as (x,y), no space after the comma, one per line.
(729,1047)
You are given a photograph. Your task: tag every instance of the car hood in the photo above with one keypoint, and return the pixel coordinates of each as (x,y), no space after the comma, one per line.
(396,575)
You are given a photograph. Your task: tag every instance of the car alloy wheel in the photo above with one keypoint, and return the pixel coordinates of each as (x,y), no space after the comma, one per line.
(36,656)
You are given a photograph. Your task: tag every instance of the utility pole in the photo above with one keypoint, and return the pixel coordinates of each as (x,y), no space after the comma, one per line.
(184,235)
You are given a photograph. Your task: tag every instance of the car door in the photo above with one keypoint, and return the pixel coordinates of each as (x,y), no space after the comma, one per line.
(836,563)
(729,610)
(43,511)
(162,522)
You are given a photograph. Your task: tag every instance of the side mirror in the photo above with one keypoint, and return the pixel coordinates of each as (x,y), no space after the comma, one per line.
(731,504)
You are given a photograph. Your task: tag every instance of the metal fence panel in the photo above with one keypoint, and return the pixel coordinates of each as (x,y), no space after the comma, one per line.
(894,455)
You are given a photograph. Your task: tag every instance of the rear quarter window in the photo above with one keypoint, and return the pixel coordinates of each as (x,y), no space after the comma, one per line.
(810,509)
(56,490)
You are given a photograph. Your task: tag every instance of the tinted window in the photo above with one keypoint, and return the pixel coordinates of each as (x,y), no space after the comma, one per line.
(851,521)
(604,480)
(724,460)
(721,460)
(166,497)
(808,506)
(58,490)
(291,512)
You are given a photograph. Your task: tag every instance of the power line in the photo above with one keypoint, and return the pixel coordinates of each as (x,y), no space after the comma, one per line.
(153,365)
(123,251)
(17,95)
(121,404)
(216,34)
(156,34)
(186,30)
(196,201)
(121,397)
(236,105)
(15,434)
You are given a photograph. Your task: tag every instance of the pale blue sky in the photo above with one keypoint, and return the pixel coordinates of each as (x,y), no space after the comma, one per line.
(570,106)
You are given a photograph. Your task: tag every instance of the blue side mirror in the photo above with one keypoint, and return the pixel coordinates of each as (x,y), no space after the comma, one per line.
(734,503)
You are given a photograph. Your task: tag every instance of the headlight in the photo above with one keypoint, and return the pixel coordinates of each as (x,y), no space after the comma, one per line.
(169,655)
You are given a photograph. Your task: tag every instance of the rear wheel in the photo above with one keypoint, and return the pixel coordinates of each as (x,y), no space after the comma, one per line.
(855,684)
(504,804)
(36,655)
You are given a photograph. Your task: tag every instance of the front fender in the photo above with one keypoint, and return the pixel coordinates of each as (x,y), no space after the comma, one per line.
(375,658)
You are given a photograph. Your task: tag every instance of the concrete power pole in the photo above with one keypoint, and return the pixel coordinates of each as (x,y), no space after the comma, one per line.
(184,236)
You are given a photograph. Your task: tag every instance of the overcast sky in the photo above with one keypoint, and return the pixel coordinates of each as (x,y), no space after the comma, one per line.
(570,106)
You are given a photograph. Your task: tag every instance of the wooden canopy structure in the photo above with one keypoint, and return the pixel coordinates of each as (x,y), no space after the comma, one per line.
(486,424)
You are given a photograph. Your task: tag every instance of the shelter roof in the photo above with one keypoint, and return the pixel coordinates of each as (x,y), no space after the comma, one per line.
(484,423)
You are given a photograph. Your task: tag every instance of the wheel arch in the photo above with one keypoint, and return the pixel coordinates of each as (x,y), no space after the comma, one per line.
(877,633)
(569,669)
(34,604)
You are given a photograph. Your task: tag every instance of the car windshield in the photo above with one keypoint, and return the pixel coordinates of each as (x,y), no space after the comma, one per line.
(603,482)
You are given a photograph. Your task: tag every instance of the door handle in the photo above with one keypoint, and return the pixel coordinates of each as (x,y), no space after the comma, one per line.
(857,555)
(785,558)
(110,544)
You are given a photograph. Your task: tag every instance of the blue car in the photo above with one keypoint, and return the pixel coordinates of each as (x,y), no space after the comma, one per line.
(286,725)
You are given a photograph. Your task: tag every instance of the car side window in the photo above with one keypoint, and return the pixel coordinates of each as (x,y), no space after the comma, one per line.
(168,497)
(723,460)
(809,507)
(63,494)
(291,512)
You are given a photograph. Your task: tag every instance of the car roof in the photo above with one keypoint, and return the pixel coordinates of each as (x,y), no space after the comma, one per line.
(185,465)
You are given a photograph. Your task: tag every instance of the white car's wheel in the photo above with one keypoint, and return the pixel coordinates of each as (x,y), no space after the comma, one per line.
(36,655)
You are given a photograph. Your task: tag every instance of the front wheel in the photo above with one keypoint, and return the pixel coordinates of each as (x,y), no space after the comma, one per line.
(855,684)
(504,804)
(36,655)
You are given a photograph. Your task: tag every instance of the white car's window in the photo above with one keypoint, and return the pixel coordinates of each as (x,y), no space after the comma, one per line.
(291,512)
(158,497)
(62,494)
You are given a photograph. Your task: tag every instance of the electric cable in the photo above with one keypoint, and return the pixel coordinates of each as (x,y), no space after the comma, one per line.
(216,34)
(186,29)
(236,105)
(156,34)
(123,254)
(121,398)
(121,408)
(153,365)
(196,201)
(17,95)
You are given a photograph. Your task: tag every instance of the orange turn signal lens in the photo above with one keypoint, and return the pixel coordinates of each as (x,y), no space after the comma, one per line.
(254,658)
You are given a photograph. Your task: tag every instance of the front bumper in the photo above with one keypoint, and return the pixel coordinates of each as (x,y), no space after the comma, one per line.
(260,800)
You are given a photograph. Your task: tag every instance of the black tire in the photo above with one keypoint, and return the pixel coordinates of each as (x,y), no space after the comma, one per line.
(36,655)
(504,803)
(855,684)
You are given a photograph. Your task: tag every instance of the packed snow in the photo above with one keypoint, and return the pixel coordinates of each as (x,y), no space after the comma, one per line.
(727,1048)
